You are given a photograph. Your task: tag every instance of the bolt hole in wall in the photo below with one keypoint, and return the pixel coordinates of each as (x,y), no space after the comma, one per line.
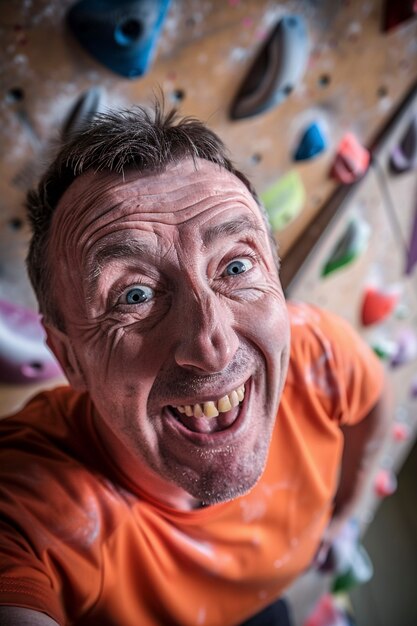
(32,370)
(16,223)
(316,200)
(128,31)
(256,158)
(15,94)
(178,95)
(324,80)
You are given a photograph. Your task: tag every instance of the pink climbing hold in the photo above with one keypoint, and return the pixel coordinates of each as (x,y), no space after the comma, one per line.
(406,348)
(326,613)
(385,483)
(377,305)
(24,357)
(401,431)
(352,160)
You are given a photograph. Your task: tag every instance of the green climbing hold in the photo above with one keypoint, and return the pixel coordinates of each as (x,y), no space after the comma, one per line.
(284,200)
(351,244)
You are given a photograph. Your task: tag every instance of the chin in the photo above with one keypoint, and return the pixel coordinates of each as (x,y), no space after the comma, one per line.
(229,492)
(232,479)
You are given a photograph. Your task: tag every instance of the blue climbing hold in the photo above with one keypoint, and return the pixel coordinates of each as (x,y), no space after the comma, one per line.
(120,34)
(312,143)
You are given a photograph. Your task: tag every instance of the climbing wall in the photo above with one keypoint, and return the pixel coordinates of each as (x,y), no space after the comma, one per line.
(346,74)
(364,267)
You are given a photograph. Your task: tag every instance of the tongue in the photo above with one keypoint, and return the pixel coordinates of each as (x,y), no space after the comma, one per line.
(207,424)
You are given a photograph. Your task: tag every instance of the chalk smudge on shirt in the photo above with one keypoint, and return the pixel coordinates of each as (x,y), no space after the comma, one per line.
(284,559)
(303,314)
(204,548)
(319,374)
(253,509)
(270,490)
(201,617)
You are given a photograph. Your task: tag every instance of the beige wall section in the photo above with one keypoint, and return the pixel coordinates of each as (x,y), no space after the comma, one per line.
(381,264)
(204,52)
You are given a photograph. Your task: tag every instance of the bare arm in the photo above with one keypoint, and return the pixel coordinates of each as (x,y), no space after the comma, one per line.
(17,616)
(363,446)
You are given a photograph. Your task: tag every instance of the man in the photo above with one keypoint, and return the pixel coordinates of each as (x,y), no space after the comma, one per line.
(190,471)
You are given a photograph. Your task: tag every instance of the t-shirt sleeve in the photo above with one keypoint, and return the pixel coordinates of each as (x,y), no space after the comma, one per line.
(358,369)
(23,581)
(347,375)
(56,508)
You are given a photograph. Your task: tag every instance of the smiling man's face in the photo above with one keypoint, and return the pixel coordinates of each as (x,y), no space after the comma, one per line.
(176,324)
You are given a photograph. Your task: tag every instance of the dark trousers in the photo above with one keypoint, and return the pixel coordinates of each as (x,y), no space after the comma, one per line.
(274,615)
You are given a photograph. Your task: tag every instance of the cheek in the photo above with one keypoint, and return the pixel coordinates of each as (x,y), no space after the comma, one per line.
(266,323)
(117,356)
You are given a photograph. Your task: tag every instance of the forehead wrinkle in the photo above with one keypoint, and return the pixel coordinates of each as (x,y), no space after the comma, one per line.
(235,226)
(71,227)
(152,194)
(90,230)
(146,197)
(191,208)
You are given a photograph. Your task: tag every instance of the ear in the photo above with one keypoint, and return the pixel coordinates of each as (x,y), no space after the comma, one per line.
(61,346)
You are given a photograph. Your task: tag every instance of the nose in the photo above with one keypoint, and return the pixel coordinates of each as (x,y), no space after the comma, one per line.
(207,341)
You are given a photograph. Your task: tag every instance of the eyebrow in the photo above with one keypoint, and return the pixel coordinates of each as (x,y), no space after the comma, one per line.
(121,249)
(241,224)
(114,250)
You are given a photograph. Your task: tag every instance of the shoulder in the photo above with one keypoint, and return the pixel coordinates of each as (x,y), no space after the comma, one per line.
(49,450)
(56,506)
(48,416)
(330,360)
(49,453)
(315,334)
(311,321)
(43,470)
(316,331)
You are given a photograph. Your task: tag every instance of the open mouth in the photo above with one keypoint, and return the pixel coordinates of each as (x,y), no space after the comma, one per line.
(212,415)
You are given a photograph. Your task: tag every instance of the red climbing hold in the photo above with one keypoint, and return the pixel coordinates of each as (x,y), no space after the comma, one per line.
(352,160)
(377,305)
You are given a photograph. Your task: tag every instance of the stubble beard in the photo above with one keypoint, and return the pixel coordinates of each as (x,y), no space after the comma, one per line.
(222,475)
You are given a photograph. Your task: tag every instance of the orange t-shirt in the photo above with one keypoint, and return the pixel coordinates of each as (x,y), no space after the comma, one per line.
(78,543)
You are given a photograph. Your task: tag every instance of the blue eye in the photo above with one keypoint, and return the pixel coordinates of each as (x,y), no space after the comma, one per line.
(137,295)
(238,266)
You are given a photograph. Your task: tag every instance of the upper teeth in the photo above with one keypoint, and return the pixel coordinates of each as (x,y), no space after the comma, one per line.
(213,407)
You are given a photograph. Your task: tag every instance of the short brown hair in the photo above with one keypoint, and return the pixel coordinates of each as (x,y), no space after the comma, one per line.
(141,138)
